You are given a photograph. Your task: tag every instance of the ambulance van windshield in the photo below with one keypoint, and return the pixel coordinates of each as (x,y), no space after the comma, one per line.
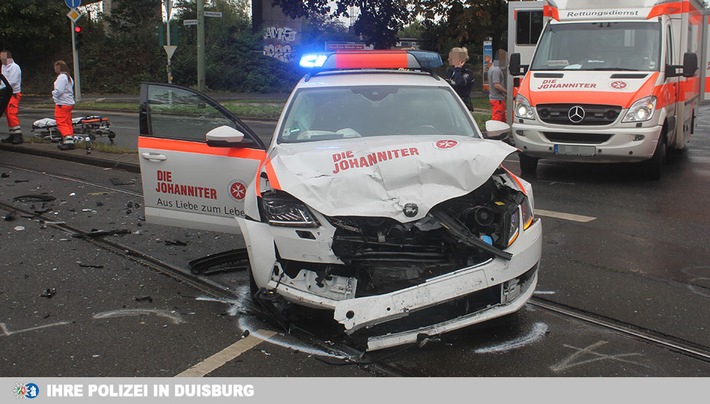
(632,46)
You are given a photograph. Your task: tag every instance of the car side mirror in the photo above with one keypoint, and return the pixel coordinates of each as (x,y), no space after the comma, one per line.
(496,130)
(225,136)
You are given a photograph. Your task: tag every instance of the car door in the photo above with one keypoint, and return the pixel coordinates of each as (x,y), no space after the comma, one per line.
(186,181)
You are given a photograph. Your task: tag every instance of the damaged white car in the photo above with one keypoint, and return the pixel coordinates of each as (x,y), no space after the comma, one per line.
(378,198)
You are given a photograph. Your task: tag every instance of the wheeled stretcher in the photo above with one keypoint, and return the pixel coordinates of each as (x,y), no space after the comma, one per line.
(88,126)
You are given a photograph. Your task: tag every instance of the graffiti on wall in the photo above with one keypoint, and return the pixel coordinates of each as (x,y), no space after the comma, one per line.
(278,41)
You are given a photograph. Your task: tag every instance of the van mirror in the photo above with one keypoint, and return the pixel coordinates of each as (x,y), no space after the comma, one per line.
(514,66)
(687,69)
(690,64)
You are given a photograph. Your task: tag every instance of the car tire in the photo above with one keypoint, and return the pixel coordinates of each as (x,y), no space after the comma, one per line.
(528,164)
(653,167)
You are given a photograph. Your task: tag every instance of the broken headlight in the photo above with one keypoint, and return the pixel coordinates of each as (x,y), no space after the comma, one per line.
(517,218)
(527,213)
(282,209)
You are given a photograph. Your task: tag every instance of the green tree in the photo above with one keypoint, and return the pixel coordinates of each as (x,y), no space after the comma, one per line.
(121,50)
(467,22)
(234,57)
(37,32)
(378,23)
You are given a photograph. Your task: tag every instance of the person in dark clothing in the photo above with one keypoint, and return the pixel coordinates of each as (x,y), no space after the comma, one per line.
(459,76)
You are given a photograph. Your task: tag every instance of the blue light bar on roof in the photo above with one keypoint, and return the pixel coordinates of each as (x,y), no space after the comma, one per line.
(372,59)
(312,60)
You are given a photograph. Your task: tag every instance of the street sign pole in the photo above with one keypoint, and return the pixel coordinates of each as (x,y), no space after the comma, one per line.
(73,16)
(168,9)
(201,45)
(75,55)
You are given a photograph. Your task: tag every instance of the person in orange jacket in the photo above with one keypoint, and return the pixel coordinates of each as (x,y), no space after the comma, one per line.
(63,95)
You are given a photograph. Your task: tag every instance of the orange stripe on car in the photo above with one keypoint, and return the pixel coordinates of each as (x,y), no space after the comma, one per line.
(199,147)
(271,174)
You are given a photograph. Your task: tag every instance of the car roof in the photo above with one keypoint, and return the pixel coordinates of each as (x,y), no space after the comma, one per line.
(370,77)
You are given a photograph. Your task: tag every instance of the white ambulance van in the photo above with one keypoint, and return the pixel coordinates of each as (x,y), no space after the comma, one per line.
(609,81)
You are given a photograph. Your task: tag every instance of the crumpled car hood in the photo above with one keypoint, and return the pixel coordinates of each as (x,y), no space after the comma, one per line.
(381,176)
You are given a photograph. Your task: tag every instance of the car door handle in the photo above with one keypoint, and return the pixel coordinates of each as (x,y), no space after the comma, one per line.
(154,156)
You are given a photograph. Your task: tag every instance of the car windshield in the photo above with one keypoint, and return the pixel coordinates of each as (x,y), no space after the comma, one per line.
(365,111)
(599,46)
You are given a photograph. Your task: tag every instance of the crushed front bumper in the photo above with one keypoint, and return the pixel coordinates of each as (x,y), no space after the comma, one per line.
(506,284)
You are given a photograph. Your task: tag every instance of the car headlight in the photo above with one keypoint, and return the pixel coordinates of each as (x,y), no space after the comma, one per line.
(527,212)
(513,226)
(281,209)
(522,108)
(641,110)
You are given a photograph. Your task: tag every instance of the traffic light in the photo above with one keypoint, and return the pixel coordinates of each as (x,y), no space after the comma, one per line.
(78,36)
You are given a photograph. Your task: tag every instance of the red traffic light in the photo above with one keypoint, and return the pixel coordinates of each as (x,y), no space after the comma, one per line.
(78,29)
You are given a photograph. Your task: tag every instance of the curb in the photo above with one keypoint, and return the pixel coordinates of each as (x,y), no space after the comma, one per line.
(99,159)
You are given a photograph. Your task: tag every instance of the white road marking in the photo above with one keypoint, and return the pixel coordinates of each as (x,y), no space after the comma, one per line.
(6,332)
(538,331)
(175,318)
(564,216)
(227,354)
(576,358)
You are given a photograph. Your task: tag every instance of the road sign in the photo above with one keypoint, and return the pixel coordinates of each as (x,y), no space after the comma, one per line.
(74,15)
(170,49)
(213,14)
(73,3)
(189,22)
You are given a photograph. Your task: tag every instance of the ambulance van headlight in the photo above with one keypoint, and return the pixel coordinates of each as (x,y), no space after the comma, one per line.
(522,108)
(282,209)
(641,110)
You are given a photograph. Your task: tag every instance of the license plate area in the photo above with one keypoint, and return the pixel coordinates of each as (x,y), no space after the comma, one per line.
(574,150)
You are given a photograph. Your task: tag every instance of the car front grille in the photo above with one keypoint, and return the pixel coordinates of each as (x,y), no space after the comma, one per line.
(578,114)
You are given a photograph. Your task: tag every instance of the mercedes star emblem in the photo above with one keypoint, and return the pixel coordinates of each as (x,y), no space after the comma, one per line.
(576,114)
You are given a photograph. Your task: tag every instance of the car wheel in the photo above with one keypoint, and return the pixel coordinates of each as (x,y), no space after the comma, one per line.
(528,164)
(654,166)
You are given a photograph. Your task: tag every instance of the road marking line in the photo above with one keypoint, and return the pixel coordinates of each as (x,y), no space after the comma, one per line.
(227,354)
(564,216)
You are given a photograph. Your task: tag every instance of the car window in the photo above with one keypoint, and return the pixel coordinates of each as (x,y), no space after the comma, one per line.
(366,111)
(184,115)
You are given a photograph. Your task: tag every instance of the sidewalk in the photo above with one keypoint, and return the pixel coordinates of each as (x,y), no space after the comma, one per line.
(123,161)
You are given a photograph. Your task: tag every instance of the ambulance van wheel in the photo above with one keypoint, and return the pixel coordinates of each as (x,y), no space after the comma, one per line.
(528,165)
(653,167)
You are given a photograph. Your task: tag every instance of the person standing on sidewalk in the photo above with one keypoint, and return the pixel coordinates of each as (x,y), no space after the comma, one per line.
(459,77)
(63,95)
(13,74)
(497,91)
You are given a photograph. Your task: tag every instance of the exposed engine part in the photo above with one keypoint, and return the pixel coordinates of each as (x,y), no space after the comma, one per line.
(386,255)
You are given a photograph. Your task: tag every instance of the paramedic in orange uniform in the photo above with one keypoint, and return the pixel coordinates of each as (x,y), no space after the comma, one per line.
(497,91)
(63,95)
(13,74)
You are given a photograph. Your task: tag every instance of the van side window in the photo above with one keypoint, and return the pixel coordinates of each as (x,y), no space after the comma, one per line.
(528,26)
